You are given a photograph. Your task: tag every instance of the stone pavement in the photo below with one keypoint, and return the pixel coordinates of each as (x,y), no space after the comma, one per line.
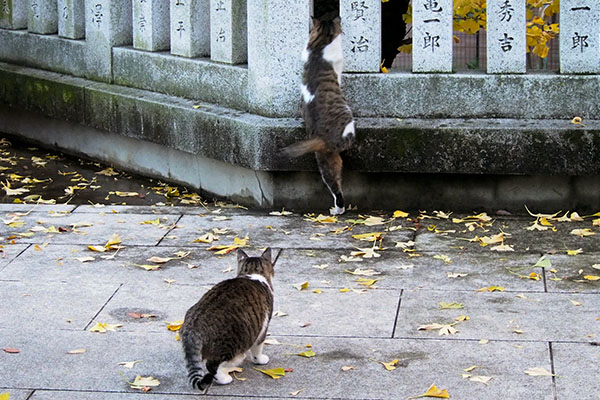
(546,317)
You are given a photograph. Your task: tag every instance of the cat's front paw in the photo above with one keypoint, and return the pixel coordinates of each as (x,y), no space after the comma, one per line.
(222,378)
(337,210)
(261,359)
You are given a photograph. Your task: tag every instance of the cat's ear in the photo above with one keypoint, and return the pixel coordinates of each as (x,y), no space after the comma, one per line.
(337,20)
(313,22)
(267,254)
(241,255)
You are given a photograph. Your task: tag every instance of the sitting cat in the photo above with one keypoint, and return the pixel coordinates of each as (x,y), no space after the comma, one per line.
(327,117)
(230,319)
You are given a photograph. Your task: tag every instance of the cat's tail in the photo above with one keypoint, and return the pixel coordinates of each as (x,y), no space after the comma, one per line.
(200,377)
(303,147)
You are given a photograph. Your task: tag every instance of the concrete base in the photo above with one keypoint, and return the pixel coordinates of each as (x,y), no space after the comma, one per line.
(459,164)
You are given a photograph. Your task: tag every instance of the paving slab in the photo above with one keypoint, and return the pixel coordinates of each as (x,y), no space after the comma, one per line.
(400,271)
(16,394)
(501,315)
(8,252)
(279,232)
(576,367)
(69,395)
(571,272)
(520,238)
(420,363)
(51,305)
(91,228)
(329,313)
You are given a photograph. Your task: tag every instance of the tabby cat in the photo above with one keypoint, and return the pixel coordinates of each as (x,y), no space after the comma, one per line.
(327,117)
(230,319)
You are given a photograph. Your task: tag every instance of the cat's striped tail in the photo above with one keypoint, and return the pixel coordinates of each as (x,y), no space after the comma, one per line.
(303,147)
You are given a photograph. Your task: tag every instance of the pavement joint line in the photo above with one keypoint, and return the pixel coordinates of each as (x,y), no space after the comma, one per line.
(169,231)
(491,340)
(544,279)
(277,256)
(103,306)
(552,371)
(397,312)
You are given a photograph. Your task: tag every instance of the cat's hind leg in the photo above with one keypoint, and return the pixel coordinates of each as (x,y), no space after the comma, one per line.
(330,166)
(222,376)
(257,355)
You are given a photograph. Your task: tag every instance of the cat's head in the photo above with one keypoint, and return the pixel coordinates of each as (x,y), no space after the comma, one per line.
(323,32)
(262,265)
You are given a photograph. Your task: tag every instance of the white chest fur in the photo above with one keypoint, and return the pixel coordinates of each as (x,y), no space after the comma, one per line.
(332,53)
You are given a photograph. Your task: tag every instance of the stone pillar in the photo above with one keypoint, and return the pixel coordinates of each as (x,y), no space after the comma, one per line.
(579,36)
(108,24)
(432,35)
(190,28)
(228,31)
(151,24)
(361,23)
(13,14)
(506,37)
(42,16)
(274,64)
(71,19)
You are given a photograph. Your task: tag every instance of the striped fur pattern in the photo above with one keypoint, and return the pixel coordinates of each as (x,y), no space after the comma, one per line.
(328,119)
(229,320)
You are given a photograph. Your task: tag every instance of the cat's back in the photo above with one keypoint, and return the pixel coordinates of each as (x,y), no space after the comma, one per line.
(231,301)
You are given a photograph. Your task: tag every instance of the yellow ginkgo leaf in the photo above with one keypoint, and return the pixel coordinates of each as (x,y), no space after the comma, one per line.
(433,391)
(4,396)
(175,325)
(97,248)
(538,371)
(142,382)
(301,286)
(274,373)
(101,327)
(449,306)
(574,252)
(577,121)
(207,238)
(583,232)
(344,290)
(151,222)
(363,272)
(129,364)
(307,354)
(592,277)
(114,239)
(400,214)
(492,289)
(369,237)
(366,281)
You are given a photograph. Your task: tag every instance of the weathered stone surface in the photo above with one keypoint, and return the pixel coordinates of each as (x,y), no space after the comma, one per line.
(579,37)
(151,24)
(197,79)
(190,28)
(71,19)
(13,14)
(361,31)
(432,36)
(42,16)
(506,40)
(228,31)
(274,64)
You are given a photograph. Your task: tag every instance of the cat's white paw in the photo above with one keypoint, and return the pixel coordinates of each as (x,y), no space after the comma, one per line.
(223,378)
(261,359)
(337,210)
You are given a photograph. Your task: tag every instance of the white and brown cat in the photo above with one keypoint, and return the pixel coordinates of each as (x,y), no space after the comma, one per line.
(328,119)
(230,320)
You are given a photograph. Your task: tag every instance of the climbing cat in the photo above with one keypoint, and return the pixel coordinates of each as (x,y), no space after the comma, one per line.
(327,117)
(230,319)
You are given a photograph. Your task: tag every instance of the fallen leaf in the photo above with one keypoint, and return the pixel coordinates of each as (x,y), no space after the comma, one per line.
(4,396)
(344,258)
(279,313)
(390,366)
(596,266)
(175,325)
(107,172)
(538,371)
(492,289)
(206,238)
(320,266)
(160,260)
(433,391)
(367,252)
(317,291)
(480,379)
(591,277)
(127,194)
(76,351)
(407,266)
(444,258)
(363,272)
(274,373)
(347,368)
(543,262)
(323,219)
(301,286)
(297,392)
(141,382)
(369,237)
(147,267)
(455,274)
(483,341)
(575,303)
(344,290)
(583,232)
(574,252)
(448,306)
(503,247)
(84,259)
(372,221)
(281,213)
(102,327)
(307,354)
(11,350)
(400,214)
(13,192)
(129,364)
(577,121)
(471,368)
(151,222)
